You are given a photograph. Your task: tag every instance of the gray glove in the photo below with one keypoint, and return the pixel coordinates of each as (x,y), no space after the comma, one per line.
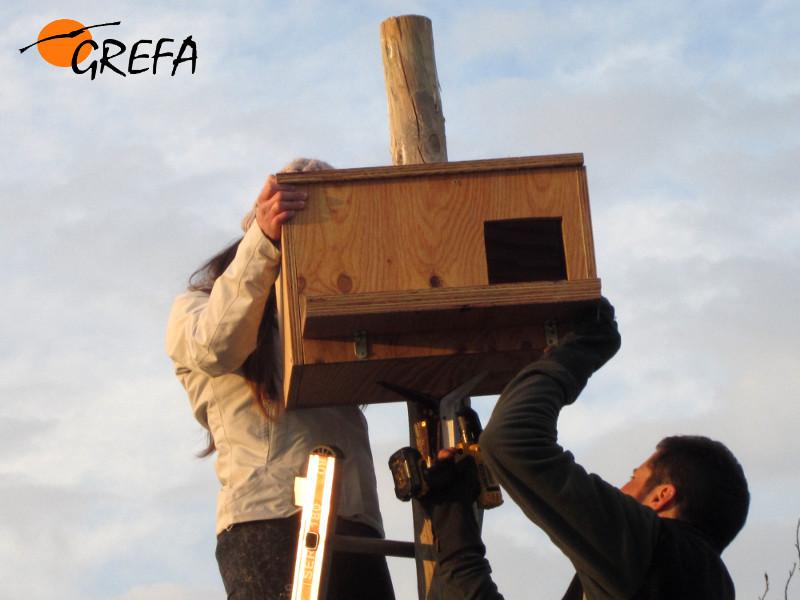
(582,351)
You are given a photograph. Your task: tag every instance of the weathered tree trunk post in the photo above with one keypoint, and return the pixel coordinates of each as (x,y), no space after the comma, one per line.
(416,121)
(416,127)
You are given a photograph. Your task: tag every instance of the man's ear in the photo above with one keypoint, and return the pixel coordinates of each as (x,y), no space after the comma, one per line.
(662,499)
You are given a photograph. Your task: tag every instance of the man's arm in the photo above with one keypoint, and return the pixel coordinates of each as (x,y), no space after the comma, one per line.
(462,571)
(608,536)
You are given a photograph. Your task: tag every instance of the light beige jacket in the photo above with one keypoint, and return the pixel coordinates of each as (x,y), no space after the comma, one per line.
(208,339)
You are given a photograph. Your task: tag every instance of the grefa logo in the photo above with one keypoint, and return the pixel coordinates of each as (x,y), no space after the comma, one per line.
(68,43)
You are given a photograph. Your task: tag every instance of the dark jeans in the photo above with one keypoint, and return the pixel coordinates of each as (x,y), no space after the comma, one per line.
(256,561)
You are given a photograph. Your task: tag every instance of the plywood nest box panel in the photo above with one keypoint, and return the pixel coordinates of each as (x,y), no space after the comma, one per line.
(424,275)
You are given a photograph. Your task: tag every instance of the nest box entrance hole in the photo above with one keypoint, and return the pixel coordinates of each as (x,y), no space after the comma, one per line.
(525,250)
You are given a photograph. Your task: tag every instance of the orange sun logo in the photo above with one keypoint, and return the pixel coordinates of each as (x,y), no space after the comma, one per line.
(58,40)
(67,43)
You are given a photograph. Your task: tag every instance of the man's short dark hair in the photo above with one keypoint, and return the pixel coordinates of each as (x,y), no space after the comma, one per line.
(710,487)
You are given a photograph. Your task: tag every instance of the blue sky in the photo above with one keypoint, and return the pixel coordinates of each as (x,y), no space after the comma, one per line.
(114,190)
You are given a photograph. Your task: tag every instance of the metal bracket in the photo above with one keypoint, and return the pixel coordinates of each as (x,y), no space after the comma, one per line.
(551,332)
(361,348)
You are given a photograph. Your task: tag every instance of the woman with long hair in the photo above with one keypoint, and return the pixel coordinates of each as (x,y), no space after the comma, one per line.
(224,341)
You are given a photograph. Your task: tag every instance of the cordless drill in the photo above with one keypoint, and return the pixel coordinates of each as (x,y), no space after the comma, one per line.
(413,478)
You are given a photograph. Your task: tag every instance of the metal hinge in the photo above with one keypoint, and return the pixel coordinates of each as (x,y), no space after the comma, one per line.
(550,332)
(361,348)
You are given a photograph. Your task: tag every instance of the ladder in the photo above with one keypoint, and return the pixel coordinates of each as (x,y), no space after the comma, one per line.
(317,494)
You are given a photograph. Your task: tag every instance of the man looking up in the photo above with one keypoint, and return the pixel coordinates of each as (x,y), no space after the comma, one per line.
(658,537)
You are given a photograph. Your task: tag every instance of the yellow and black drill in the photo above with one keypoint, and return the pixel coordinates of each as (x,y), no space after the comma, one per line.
(458,428)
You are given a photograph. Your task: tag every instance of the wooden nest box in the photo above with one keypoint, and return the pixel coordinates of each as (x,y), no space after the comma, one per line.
(424,275)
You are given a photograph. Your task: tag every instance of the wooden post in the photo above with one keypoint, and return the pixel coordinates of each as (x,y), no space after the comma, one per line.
(416,121)
(416,128)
